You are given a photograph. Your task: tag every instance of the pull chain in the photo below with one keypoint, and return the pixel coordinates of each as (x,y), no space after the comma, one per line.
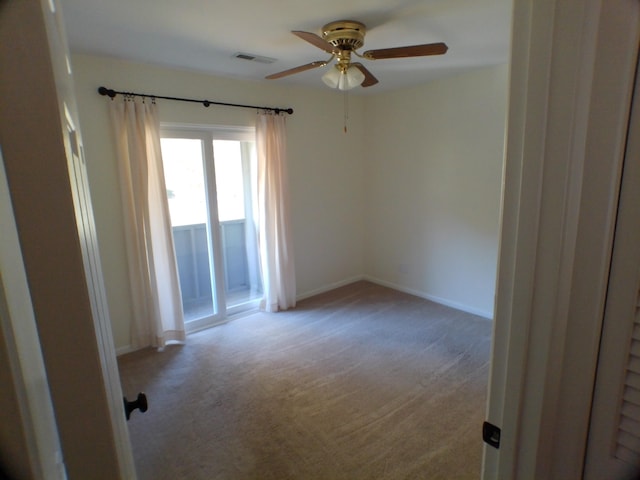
(346,109)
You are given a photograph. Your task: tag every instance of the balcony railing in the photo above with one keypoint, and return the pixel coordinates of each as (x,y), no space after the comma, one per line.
(192,256)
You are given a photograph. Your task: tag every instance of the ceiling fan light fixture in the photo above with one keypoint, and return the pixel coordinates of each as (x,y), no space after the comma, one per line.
(342,39)
(343,80)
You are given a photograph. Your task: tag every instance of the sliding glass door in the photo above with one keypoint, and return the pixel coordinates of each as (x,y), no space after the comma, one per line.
(210,180)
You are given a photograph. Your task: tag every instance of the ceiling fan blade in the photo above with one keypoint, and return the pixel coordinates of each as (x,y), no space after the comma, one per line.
(369,78)
(301,68)
(314,40)
(410,51)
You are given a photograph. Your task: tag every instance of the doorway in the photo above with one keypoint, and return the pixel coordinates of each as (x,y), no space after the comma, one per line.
(211,182)
(561,191)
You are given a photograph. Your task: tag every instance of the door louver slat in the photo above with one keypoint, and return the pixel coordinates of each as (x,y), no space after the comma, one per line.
(633,380)
(626,455)
(630,426)
(636,331)
(631,395)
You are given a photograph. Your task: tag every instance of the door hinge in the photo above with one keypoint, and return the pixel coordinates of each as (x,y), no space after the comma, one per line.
(491,434)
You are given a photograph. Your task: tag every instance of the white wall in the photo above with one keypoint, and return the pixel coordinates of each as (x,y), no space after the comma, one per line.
(433,157)
(325,166)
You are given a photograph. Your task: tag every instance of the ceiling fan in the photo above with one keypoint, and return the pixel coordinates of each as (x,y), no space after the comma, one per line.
(343,38)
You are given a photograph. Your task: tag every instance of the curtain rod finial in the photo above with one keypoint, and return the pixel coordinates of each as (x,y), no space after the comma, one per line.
(106,91)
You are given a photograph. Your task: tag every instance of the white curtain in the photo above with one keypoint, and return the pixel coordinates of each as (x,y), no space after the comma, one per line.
(153,274)
(276,245)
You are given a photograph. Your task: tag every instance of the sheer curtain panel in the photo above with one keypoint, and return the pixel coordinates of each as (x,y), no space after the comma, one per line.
(276,245)
(153,274)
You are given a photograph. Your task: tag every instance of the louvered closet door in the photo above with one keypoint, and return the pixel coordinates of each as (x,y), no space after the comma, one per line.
(627,446)
(613,450)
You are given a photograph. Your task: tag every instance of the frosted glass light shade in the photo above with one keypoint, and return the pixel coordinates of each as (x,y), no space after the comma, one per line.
(353,78)
(335,78)
(332,77)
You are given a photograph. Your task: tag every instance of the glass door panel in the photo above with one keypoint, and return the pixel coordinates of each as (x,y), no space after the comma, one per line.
(233,166)
(187,196)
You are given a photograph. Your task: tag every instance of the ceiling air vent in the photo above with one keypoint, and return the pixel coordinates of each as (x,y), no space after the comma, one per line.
(253,58)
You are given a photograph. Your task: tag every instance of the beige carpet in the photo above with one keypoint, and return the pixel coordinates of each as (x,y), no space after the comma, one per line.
(359,383)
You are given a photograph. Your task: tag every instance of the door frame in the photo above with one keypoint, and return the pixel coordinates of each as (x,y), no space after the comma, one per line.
(572,66)
(207,134)
(46,173)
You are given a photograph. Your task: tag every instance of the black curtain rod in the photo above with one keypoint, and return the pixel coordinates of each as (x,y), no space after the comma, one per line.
(112,93)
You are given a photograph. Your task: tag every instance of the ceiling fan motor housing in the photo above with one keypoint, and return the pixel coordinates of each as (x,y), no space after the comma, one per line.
(345,34)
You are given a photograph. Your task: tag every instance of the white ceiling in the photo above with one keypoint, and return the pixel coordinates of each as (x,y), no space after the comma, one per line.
(203,35)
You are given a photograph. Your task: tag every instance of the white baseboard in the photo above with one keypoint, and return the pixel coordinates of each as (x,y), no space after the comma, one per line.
(124,350)
(129,349)
(329,287)
(442,301)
